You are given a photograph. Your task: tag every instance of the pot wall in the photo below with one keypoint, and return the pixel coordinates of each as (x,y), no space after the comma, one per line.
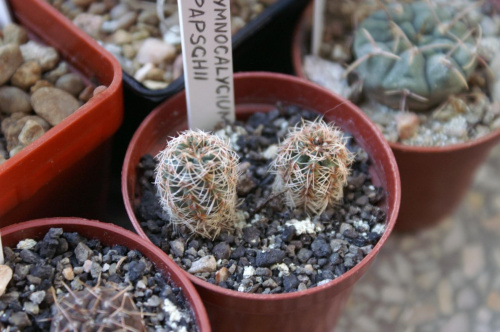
(316,309)
(70,163)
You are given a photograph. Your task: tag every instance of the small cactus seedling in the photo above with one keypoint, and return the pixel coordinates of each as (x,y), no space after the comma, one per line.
(96,309)
(414,55)
(196,178)
(312,166)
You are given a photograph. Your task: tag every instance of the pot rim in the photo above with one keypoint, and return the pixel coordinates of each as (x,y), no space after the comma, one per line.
(297,61)
(154,254)
(112,89)
(376,134)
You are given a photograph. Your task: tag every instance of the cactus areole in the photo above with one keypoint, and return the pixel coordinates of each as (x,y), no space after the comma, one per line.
(196,178)
(414,55)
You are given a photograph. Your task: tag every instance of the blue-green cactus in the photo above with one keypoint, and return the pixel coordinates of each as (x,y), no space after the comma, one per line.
(414,55)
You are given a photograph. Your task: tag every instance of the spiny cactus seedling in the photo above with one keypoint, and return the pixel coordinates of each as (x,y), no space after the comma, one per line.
(414,55)
(196,178)
(312,166)
(96,309)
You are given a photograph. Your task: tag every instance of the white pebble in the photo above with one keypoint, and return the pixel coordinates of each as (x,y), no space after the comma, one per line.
(26,244)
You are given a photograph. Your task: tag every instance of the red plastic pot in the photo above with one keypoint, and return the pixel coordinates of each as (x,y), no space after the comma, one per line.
(315,309)
(433,179)
(70,163)
(110,234)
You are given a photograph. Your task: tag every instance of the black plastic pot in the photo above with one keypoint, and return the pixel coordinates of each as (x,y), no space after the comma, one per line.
(262,44)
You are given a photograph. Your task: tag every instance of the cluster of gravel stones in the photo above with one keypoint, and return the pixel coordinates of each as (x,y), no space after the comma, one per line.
(277,249)
(463,117)
(147,48)
(37,90)
(43,267)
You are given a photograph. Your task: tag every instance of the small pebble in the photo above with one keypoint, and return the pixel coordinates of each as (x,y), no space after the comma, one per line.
(5,277)
(53,104)
(204,264)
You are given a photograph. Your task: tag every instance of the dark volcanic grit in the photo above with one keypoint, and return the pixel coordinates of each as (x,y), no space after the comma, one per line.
(278,250)
(68,258)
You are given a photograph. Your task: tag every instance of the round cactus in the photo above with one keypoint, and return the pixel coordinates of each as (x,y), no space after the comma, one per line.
(414,55)
(196,178)
(312,166)
(96,309)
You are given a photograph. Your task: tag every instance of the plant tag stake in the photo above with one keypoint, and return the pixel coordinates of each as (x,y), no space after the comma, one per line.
(5,17)
(2,258)
(318,26)
(208,61)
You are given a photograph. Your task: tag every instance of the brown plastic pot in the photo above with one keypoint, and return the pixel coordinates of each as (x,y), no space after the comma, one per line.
(433,179)
(110,234)
(315,309)
(70,163)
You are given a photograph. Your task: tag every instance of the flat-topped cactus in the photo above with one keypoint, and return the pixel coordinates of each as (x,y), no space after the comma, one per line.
(414,55)
(196,178)
(312,166)
(96,309)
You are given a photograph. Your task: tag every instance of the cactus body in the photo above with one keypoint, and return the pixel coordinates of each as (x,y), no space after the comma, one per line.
(97,309)
(196,178)
(312,166)
(414,55)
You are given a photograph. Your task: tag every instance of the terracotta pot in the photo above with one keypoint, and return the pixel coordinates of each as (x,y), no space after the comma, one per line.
(433,179)
(70,163)
(315,309)
(110,234)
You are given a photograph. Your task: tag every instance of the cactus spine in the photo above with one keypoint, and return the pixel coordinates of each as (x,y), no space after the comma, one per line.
(196,178)
(312,166)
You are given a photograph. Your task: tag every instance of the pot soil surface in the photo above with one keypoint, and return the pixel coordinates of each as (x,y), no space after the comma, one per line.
(63,260)
(38,90)
(277,249)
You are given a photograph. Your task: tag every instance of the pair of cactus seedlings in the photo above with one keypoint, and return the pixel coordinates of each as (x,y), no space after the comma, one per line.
(197,175)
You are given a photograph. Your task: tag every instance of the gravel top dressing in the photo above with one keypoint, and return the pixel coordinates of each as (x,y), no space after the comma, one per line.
(277,249)
(147,46)
(38,90)
(67,261)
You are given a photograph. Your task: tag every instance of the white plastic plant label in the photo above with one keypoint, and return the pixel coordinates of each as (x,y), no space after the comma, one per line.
(208,61)
(318,23)
(5,17)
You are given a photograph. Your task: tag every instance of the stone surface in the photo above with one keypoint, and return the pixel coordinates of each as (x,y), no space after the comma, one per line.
(13,33)
(71,83)
(26,75)
(204,264)
(31,131)
(407,124)
(473,260)
(10,60)
(82,252)
(5,277)
(14,100)
(155,51)
(46,56)
(53,104)
(89,23)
